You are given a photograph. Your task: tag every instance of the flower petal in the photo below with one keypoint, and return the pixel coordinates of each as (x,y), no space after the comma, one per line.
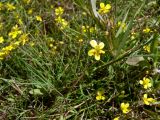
(101,51)
(145,86)
(151,100)
(141,82)
(93,43)
(103,97)
(91,52)
(145,96)
(102,5)
(122,105)
(98,97)
(101,45)
(108,6)
(97,56)
(149,84)
(127,105)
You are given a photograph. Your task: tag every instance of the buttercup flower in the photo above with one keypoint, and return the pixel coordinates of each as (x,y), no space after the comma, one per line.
(147,100)
(147,48)
(97,49)
(30,11)
(38,18)
(104,8)
(61,22)
(10,7)
(124,107)
(100,95)
(146,30)
(59,11)
(1,39)
(121,24)
(146,82)
(14,32)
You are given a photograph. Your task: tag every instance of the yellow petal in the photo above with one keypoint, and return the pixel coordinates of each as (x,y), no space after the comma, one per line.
(108,6)
(116,118)
(141,82)
(146,102)
(127,105)
(151,100)
(103,98)
(101,45)
(93,43)
(91,52)
(98,97)
(145,86)
(145,96)
(102,5)
(97,56)
(101,51)
(122,105)
(149,84)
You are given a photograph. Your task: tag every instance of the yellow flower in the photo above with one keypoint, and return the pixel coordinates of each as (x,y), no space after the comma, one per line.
(20,21)
(59,11)
(104,8)
(27,1)
(146,100)
(92,29)
(61,22)
(97,49)
(2,54)
(124,107)
(38,18)
(147,48)
(100,95)
(80,40)
(14,32)
(23,38)
(1,39)
(31,44)
(10,7)
(146,82)
(7,49)
(133,35)
(50,45)
(30,11)
(84,29)
(116,118)
(121,24)
(146,30)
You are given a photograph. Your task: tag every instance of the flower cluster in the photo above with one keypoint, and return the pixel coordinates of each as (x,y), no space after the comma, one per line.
(62,23)
(17,38)
(146,82)
(146,30)
(122,25)
(88,29)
